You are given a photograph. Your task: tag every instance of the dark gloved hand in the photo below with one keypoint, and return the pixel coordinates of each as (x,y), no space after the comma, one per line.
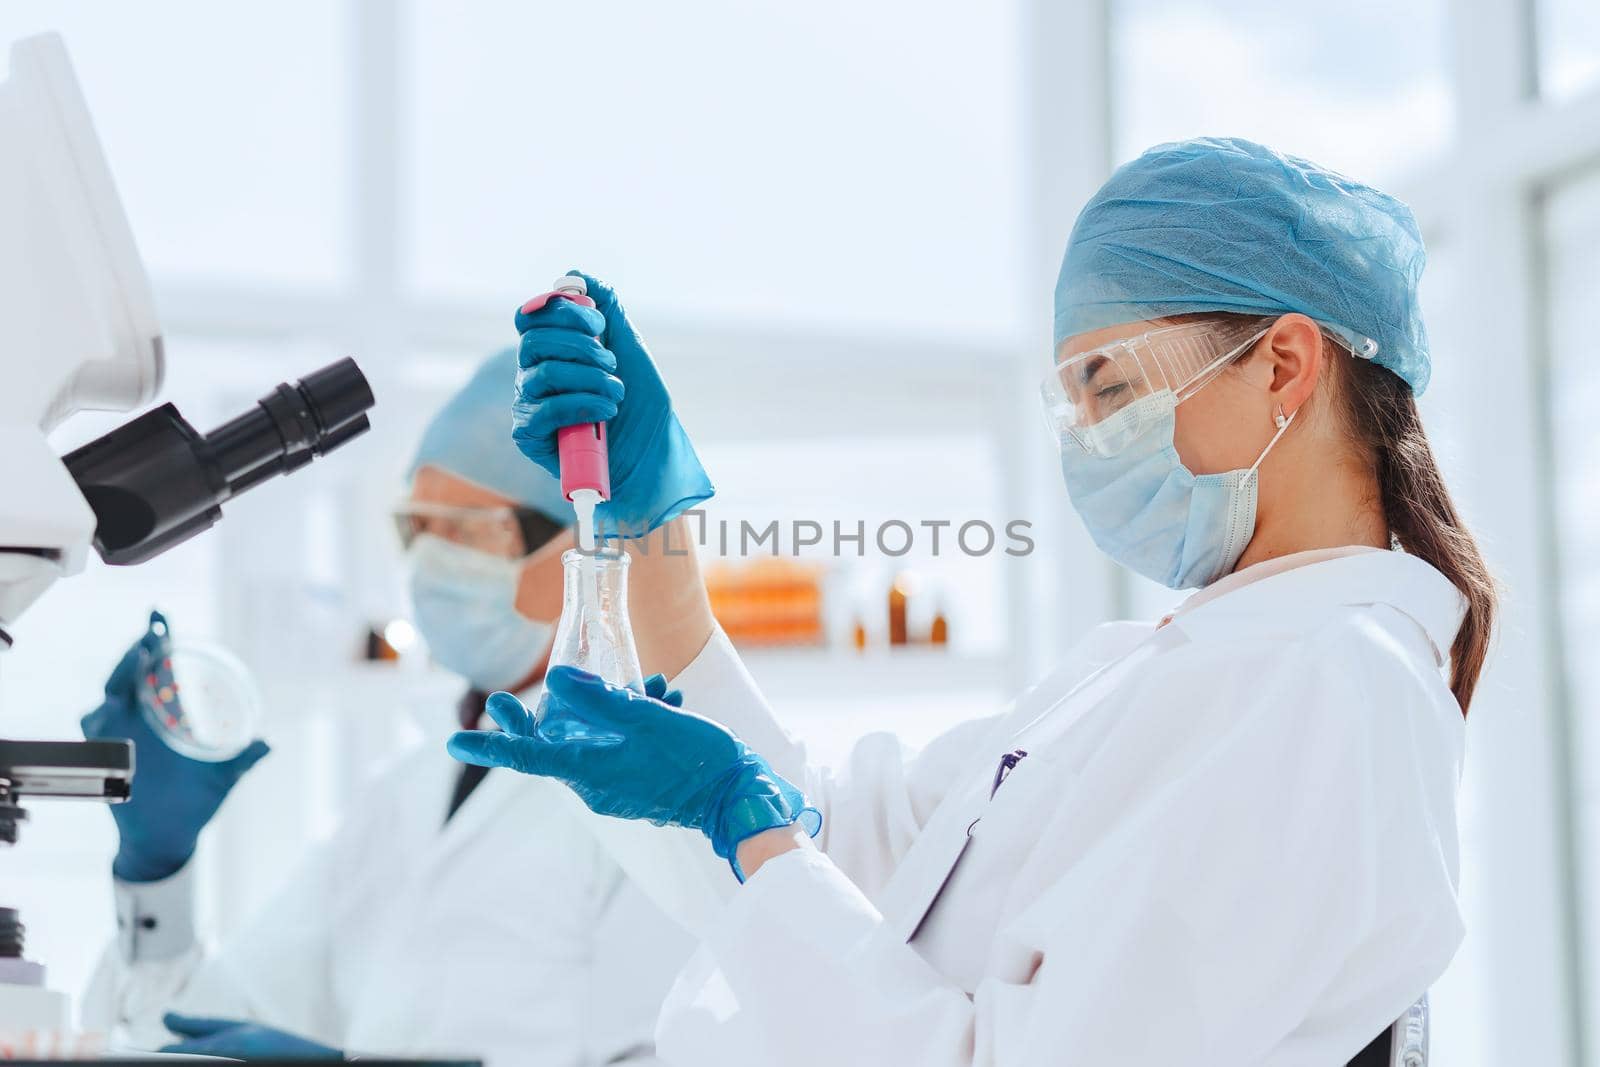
(172,796)
(581,364)
(240,1040)
(631,756)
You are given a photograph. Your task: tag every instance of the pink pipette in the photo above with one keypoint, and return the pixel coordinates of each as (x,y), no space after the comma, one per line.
(585,464)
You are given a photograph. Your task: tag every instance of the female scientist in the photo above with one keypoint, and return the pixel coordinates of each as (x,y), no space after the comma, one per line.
(1228,837)
(388,937)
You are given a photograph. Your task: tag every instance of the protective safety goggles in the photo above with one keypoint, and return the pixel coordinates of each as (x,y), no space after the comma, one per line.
(1089,399)
(509,532)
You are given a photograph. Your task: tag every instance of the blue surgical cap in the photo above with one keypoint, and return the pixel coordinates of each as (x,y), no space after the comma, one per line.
(470,437)
(1221,224)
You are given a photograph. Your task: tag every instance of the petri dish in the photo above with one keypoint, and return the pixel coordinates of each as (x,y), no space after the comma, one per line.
(198,697)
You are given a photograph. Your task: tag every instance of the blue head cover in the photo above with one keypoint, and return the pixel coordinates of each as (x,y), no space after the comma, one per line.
(470,437)
(1221,224)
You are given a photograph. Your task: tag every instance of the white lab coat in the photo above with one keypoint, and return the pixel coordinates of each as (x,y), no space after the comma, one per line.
(505,933)
(1232,841)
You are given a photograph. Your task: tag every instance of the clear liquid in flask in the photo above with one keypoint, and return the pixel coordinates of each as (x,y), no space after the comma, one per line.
(594,633)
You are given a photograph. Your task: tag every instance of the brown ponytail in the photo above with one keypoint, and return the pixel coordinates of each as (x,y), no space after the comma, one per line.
(1382,415)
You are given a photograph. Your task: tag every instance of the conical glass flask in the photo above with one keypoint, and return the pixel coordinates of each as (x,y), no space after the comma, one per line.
(594,633)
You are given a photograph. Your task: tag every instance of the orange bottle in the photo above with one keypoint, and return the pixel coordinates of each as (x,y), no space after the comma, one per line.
(898,595)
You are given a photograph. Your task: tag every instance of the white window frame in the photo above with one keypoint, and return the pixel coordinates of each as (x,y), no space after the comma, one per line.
(1521,889)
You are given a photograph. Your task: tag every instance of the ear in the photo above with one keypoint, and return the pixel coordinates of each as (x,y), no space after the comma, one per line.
(1293,351)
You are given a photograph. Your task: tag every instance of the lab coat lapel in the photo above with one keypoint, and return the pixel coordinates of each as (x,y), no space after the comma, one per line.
(1054,716)
(1059,701)
(414,882)
(921,874)
(476,816)
(479,810)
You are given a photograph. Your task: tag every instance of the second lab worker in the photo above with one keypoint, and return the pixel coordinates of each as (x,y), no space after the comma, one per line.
(1225,837)
(443,884)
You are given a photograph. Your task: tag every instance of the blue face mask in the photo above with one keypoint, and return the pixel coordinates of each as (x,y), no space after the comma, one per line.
(1149,512)
(462,601)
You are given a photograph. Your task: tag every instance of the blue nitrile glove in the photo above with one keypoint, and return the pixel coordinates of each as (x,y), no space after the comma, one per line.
(631,756)
(240,1040)
(655,687)
(580,365)
(172,796)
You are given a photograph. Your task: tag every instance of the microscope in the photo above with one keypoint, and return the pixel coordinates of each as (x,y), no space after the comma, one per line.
(80,333)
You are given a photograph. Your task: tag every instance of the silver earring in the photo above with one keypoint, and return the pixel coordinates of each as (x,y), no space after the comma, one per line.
(1280,420)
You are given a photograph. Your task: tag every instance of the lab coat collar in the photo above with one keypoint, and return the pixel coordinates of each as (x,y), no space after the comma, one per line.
(1278,603)
(492,794)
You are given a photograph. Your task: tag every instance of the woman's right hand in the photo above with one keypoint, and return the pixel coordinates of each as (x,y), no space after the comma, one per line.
(579,365)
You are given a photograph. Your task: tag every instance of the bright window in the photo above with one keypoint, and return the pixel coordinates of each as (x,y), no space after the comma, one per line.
(1572,235)
(1359,87)
(224,126)
(1569,47)
(838,163)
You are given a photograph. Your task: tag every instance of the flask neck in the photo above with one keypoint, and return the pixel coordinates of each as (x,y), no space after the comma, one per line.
(605,573)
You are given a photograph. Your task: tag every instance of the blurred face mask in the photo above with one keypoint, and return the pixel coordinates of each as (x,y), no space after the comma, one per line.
(463,602)
(1113,411)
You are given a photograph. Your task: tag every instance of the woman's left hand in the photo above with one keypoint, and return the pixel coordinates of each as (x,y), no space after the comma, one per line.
(634,757)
